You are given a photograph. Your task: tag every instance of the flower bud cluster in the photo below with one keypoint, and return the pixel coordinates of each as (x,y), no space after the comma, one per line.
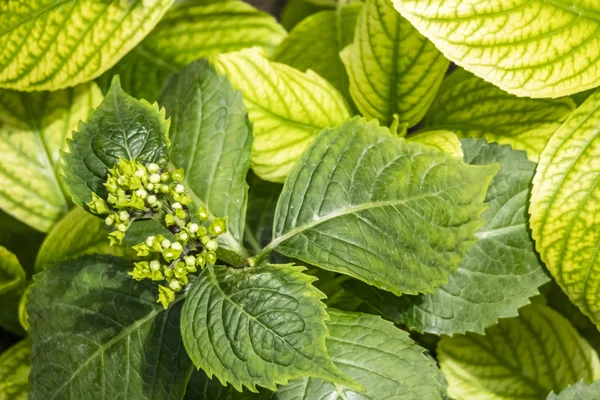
(138,191)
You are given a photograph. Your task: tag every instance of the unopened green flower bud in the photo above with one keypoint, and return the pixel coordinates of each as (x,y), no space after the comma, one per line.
(176,206)
(121,180)
(180,270)
(164,188)
(191,268)
(178,175)
(212,245)
(202,213)
(98,205)
(211,257)
(205,239)
(111,184)
(218,227)
(153,168)
(142,249)
(189,260)
(169,219)
(193,227)
(181,213)
(124,215)
(149,241)
(150,186)
(141,193)
(164,176)
(175,285)
(176,246)
(183,236)
(179,188)
(122,227)
(200,260)
(168,272)
(109,220)
(155,265)
(116,237)
(165,296)
(151,199)
(185,199)
(166,243)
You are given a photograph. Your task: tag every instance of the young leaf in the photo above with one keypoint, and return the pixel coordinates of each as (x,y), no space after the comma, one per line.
(52,44)
(520,358)
(445,141)
(14,372)
(471,107)
(563,207)
(316,42)
(499,273)
(533,48)
(12,286)
(377,355)
(395,214)
(120,127)
(288,108)
(393,69)
(33,128)
(211,139)
(96,331)
(78,233)
(578,391)
(257,326)
(186,33)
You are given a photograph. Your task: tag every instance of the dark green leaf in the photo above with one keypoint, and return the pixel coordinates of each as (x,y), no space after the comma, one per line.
(120,127)
(20,239)
(296,11)
(377,355)
(12,285)
(211,140)
(257,326)
(99,334)
(200,387)
(578,391)
(262,200)
(394,214)
(500,272)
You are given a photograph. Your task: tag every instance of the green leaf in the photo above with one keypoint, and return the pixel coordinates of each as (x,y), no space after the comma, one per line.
(257,326)
(563,203)
(393,70)
(315,43)
(295,11)
(211,139)
(262,201)
(120,127)
(20,239)
(332,285)
(445,141)
(96,331)
(499,273)
(520,358)
(377,355)
(534,48)
(12,286)
(78,233)
(395,214)
(288,108)
(200,387)
(52,44)
(578,391)
(33,128)
(14,372)
(188,32)
(471,107)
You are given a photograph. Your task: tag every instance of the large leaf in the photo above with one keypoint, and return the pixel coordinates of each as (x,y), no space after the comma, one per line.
(33,128)
(120,127)
(257,326)
(445,141)
(525,357)
(52,44)
(471,107)
(12,286)
(499,273)
(578,391)
(377,355)
(316,42)
(99,334)
(288,108)
(211,139)
(78,233)
(394,71)
(201,387)
(394,214)
(20,239)
(564,221)
(295,11)
(187,32)
(535,48)
(14,372)
(262,201)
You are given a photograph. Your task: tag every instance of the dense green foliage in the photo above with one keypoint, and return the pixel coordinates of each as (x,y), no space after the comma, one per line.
(367,199)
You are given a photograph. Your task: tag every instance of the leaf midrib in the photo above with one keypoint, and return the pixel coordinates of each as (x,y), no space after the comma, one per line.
(124,334)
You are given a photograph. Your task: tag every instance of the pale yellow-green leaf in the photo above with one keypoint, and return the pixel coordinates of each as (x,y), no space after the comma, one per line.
(471,107)
(188,32)
(392,68)
(525,357)
(565,204)
(287,108)
(535,48)
(445,141)
(53,44)
(15,365)
(12,285)
(33,128)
